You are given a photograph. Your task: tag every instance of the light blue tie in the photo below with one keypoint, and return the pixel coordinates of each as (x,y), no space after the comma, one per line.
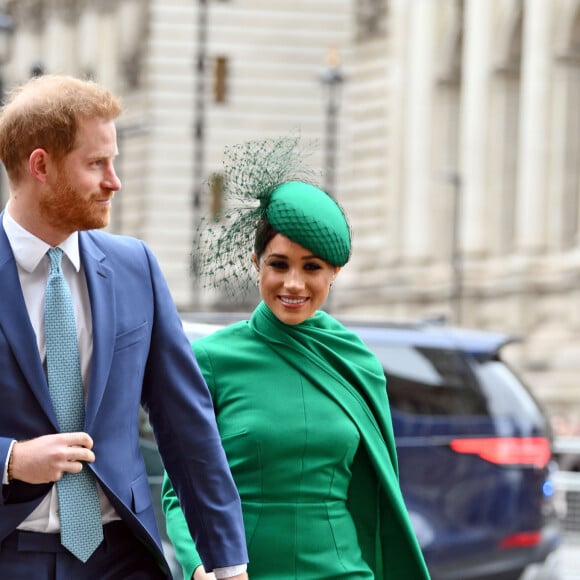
(80,517)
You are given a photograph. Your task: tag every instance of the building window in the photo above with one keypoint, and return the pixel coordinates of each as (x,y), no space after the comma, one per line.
(371,16)
(220,79)
(216,195)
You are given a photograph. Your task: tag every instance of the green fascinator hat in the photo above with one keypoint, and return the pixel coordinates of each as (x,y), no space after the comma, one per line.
(266,180)
(311,218)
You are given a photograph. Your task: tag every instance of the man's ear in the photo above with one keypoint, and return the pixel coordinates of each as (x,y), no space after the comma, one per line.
(37,165)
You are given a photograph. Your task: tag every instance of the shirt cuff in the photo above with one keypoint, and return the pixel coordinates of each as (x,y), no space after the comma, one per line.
(229,571)
(5,474)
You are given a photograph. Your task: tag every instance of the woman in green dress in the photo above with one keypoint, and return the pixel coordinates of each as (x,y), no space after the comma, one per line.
(303,413)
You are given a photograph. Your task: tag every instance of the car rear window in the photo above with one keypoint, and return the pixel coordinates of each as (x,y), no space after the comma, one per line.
(507,396)
(427,381)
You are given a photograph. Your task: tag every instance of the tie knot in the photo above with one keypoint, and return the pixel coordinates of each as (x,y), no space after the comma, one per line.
(55,257)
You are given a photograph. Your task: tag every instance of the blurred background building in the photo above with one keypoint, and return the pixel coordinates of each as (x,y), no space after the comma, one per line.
(448,129)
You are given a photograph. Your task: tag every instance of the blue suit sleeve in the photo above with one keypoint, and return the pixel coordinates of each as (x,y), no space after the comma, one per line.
(182,416)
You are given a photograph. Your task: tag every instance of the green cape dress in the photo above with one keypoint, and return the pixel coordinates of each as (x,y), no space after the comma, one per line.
(305,423)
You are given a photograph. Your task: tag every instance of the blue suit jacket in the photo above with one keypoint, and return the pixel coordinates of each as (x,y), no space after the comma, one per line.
(140,356)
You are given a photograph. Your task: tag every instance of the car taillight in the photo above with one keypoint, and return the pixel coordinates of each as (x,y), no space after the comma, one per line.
(534,451)
(521,540)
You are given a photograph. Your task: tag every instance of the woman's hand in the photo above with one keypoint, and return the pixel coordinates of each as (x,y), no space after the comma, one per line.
(200,574)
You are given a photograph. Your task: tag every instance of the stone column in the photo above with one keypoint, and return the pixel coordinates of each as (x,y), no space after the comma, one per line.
(88,48)
(26,49)
(395,176)
(110,29)
(474,120)
(418,129)
(534,123)
(59,43)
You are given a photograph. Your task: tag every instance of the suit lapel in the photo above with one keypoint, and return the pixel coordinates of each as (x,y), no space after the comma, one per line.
(100,282)
(15,323)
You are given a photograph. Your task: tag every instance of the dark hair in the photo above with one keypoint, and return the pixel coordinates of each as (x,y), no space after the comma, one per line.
(265,231)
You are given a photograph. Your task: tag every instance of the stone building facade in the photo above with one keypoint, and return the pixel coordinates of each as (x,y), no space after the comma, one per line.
(481,183)
(457,143)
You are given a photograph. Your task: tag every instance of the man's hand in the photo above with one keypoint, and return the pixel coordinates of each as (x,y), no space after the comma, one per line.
(47,458)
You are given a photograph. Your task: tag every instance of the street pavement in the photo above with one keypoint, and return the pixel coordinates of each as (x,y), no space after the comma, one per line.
(570,558)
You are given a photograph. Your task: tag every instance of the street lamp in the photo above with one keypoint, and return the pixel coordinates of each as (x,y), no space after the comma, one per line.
(199,130)
(331,79)
(456,294)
